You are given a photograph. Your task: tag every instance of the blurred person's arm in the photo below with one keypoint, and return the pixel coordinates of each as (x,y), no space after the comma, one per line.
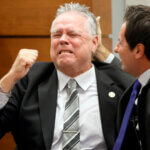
(102,53)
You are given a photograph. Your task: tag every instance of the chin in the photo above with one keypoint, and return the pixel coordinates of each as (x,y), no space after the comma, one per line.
(64,64)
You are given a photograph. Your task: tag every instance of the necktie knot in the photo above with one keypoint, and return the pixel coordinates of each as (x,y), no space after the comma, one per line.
(137,85)
(72,84)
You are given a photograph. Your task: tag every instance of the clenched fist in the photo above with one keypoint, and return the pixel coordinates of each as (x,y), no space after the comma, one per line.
(24,60)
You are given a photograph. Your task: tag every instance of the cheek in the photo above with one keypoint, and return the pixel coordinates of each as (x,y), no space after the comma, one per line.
(53,54)
(53,43)
(53,47)
(86,47)
(121,52)
(90,50)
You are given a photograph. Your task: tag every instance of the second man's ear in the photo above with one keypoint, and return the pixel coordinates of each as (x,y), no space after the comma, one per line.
(139,50)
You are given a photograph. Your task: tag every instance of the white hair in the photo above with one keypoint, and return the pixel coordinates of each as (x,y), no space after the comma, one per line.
(91,24)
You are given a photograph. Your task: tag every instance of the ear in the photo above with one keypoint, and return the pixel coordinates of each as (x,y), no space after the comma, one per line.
(95,44)
(139,51)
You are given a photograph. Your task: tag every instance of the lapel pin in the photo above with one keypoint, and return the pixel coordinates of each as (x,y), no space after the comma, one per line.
(111,94)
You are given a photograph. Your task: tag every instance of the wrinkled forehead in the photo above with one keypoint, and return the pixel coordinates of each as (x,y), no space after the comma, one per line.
(69,18)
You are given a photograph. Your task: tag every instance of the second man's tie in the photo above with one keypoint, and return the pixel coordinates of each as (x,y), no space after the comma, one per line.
(127,114)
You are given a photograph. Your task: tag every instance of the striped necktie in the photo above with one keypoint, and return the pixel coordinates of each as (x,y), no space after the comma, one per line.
(71,134)
(127,114)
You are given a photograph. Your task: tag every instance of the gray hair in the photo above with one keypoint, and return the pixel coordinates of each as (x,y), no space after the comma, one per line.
(91,24)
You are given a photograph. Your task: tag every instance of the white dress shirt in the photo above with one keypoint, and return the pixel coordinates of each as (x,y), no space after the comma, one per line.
(143,78)
(91,134)
(110,58)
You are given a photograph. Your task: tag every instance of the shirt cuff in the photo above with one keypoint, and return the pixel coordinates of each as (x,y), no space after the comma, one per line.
(3,99)
(109,58)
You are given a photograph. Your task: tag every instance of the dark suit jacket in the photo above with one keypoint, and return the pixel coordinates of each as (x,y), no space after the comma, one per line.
(130,141)
(30,111)
(116,62)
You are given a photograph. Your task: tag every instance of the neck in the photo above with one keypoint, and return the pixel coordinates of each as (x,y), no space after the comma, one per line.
(74,72)
(142,65)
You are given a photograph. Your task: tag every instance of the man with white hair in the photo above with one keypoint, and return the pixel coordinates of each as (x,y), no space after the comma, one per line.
(36,109)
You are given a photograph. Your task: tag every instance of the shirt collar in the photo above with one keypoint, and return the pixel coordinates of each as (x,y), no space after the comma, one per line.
(144,77)
(62,80)
(84,80)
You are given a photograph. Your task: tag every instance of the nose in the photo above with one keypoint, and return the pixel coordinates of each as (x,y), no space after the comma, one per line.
(64,40)
(116,48)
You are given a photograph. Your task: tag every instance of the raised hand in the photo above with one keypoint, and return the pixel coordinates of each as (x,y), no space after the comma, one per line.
(24,60)
(102,52)
(99,30)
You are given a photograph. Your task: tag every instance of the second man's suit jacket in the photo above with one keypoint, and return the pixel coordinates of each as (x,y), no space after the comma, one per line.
(143,113)
(30,111)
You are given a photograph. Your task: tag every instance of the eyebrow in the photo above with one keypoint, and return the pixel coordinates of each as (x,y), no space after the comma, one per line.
(70,31)
(55,31)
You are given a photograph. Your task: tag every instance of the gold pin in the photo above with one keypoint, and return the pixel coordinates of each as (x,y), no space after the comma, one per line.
(111,94)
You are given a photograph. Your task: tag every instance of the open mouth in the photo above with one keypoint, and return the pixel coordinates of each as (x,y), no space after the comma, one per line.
(65,51)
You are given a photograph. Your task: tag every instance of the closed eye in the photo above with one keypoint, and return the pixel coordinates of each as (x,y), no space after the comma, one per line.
(56,35)
(73,35)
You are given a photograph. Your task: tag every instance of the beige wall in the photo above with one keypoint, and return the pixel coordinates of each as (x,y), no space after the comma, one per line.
(135,2)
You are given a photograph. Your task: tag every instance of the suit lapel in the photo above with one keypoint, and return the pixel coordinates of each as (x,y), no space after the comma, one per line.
(108,96)
(47,103)
(122,106)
